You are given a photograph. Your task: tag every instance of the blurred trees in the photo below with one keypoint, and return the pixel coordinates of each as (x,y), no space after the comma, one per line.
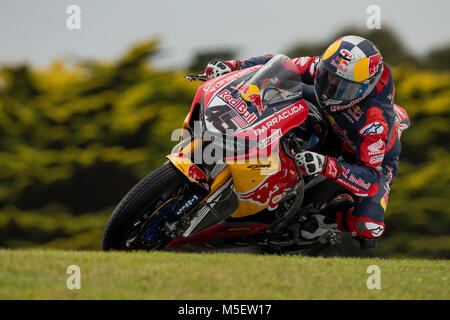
(439,59)
(75,139)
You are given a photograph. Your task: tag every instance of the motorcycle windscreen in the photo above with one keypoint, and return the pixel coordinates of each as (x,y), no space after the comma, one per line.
(248,99)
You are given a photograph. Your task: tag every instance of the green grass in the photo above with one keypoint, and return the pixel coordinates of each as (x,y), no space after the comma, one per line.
(41,274)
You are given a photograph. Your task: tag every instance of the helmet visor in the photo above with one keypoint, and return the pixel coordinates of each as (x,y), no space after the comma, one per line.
(333,87)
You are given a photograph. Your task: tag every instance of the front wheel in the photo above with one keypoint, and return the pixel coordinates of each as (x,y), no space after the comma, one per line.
(137,222)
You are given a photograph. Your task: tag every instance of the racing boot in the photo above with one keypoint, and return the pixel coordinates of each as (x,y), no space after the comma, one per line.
(367,243)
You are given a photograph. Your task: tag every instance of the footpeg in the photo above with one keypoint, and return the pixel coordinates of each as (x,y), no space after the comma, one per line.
(332,237)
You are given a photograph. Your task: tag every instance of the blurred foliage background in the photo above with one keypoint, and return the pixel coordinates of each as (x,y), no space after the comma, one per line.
(74,138)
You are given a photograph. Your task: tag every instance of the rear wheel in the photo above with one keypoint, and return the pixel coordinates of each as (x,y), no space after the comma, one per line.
(138,220)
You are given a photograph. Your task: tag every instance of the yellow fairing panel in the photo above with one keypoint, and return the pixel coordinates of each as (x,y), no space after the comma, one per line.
(249,175)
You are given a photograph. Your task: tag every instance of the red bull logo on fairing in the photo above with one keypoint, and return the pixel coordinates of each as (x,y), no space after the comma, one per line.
(196,173)
(251,93)
(267,192)
(239,105)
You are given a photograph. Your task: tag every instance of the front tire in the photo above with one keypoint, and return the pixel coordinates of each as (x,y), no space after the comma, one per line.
(144,197)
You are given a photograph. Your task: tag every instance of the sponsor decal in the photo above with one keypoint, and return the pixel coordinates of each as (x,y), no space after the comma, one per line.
(239,105)
(264,192)
(358,191)
(340,63)
(339,108)
(360,182)
(239,121)
(374,64)
(355,112)
(349,186)
(221,81)
(347,55)
(376,159)
(189,203)
(196,174)
(270,190)
(332,169)
(375,229)
(277,118)
(376,148)
(258,166)
(372,128)
(264,143)
(345,172)
(251,93)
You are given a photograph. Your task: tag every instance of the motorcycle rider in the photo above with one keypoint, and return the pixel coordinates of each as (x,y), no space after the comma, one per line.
(355,90)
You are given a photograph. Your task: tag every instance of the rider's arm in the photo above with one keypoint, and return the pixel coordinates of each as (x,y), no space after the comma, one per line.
(217,68)
(242,64)
(306,66)
(362,177)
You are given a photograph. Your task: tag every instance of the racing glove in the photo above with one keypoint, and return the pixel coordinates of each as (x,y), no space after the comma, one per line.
(311,163)
(217,68)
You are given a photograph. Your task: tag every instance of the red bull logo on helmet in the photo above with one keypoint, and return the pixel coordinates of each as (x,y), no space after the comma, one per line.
(340,63)
(374,64)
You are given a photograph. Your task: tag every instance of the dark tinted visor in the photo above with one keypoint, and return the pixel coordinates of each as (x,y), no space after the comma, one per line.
(334,87)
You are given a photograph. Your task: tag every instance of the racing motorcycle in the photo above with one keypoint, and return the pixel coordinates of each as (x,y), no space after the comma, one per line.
(232,181)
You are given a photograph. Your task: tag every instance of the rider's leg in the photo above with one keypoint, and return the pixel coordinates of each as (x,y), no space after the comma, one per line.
(366,220)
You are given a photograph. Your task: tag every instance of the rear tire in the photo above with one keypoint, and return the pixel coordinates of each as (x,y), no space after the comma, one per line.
(141,198)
